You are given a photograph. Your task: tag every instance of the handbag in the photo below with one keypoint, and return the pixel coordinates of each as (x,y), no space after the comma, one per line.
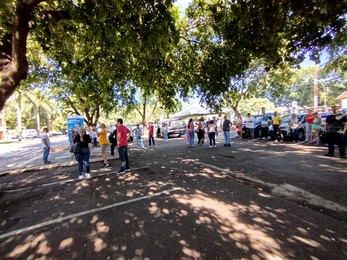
(75,148)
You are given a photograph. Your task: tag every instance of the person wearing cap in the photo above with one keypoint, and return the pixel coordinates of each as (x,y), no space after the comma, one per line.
(336,126)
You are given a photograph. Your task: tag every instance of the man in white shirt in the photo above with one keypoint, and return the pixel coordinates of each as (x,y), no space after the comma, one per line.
(249,120)
(45,144)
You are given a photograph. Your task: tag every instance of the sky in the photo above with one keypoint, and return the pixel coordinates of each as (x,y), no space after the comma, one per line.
(183,3)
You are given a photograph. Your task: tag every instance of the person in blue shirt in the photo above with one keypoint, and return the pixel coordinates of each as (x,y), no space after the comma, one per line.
(264,124)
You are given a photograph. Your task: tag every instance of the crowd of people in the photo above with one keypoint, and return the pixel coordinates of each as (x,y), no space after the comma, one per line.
(335,129)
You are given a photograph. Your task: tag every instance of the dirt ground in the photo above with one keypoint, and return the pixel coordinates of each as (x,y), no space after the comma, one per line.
(253,200)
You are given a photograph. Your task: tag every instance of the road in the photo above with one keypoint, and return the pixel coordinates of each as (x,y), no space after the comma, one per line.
(28,153)
(253,200)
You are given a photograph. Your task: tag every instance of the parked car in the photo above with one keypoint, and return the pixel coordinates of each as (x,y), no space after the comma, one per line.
(174,131)
(286,131)
(257,126)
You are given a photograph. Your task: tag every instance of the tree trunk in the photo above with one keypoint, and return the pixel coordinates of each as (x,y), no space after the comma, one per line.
(14,71)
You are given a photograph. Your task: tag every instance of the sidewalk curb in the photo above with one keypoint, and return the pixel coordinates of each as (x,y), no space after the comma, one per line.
(48,166)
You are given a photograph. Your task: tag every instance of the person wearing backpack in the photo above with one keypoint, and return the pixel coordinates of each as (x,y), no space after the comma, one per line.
(112,138)
(85,144)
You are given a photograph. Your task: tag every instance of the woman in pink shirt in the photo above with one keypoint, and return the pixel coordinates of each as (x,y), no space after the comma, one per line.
(191,132)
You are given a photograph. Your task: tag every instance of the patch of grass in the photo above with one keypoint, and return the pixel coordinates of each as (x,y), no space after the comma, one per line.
(8,141)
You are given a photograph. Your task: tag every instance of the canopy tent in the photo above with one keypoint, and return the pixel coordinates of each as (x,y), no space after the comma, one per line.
(192,110)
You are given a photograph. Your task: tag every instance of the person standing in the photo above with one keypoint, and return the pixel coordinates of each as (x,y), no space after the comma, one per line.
(276,122)
(336,127)
(138,135)
(85,143)
(46,145)
(122,145)
(151,134)
(211,128)
(239,125)
(316,126)
(94,137)
(201,133)
(226,130)
(308,125)
(102,133)
(264,130)
(112,138)
(191,132)
(250,125)
(293,125)
(166,132)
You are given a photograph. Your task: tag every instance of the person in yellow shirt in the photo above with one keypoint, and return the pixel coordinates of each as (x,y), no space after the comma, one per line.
(102,133)
(276,122)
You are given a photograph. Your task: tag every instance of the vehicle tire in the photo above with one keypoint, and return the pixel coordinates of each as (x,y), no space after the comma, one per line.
(301,135)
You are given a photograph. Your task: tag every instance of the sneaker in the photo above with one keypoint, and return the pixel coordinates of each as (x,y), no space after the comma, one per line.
(214,146)
(228,145)
(87,175)
(102,165)
(210,146)
(121,171)
(106,165)
(47,162)
(225,145)
(329,155)
(127,170)
(80,177)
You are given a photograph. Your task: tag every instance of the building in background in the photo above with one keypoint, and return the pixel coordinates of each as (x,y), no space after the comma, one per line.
(343,100)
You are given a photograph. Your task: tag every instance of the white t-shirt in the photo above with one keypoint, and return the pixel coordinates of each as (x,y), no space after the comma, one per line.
(211,128)
(249,122)
(45,136)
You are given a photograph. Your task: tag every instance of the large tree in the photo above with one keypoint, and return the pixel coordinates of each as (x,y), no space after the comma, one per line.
(229,35)
(107,32)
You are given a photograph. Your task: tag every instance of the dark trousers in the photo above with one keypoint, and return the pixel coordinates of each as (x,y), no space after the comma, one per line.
(338,139)
(151,140)
(212,137)
(83,159)
(250,133)
(124,157)
(113,145)
(264,132)
(295,134)
(277,132)
(201,136)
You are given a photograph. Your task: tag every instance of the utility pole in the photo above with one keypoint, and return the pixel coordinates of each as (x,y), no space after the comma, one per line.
(315,87)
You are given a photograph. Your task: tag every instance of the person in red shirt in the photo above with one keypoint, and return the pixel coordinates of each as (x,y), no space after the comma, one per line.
(309,122)
(122,145)
(151,134)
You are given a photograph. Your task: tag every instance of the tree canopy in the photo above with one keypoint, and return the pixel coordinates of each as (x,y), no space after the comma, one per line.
(102,51)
